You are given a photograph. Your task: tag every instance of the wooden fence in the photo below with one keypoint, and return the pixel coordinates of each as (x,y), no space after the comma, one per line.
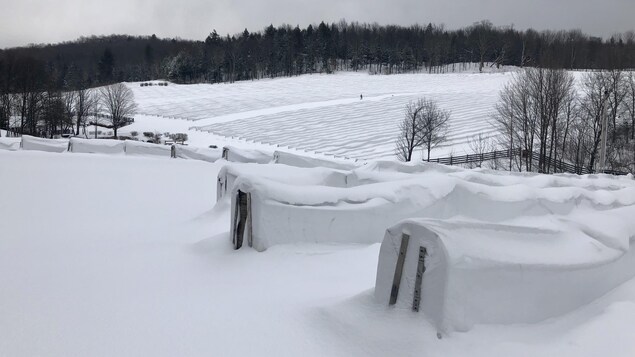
(556,165)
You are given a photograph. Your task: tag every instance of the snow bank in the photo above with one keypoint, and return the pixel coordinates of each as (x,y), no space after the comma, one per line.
(286,174)
(196,153)
(41,144)
(97,146)
(281,157)
(480,273)
(234,154)
(293,205)
(11,144)
(140,148)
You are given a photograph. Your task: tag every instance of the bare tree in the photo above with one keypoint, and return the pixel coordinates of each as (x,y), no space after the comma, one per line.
(592,106)
(410,136)
(69,99)
(424,126)
(85,105)
(117,101)
(630,102)
(434,125)
(534,110)
(480,144)
(6,107)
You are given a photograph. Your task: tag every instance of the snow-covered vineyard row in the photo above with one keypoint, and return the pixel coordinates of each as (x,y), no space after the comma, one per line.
(108,147)
(325,113)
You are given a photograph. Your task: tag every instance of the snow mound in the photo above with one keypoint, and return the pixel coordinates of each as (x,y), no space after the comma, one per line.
(287,174)
(42,144)
(484,273)
(290,205)
(10,144)
(234,154)
(196,153)
(97,146)
(138,148)
(281,157)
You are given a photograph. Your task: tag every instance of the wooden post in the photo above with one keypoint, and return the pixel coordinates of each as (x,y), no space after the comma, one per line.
(240,221)
(421,268)
(399,269)
(250,237)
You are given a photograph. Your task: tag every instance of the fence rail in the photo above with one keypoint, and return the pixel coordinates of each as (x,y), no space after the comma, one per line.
(557,165)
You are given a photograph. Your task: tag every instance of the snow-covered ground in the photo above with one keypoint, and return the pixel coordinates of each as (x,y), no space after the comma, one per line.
(320,113)
(128,256)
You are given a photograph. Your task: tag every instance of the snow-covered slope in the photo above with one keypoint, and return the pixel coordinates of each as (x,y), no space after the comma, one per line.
(322,113)
(128,256)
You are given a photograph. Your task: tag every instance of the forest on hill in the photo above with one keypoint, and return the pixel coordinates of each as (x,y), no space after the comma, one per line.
(289,51)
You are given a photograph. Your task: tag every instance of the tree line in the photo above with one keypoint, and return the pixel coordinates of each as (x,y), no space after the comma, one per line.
(53,113)
(289,51)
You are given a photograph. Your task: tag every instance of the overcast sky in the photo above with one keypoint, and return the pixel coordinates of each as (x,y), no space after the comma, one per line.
(44,21)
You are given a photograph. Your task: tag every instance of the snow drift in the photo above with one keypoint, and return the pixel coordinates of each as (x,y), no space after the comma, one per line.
(97,146)
(41,144)
(10,144)
(286,174)
(234,154)
(476,273)
(139,148)
(281,157)
(196,153)
(296,205)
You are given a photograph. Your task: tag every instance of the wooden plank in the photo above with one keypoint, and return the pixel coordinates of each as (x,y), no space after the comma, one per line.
(235,224)
(250,238)
(399,268)
(421,268)
(241,202)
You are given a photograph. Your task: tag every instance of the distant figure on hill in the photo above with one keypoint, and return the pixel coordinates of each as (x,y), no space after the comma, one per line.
(361,97)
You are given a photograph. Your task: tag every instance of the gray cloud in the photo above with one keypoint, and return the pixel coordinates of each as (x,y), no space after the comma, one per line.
(44,21)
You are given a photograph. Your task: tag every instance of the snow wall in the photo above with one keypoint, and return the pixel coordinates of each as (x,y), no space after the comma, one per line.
(139,148)
(49,145)
(292,209)
(482,273)
(234,154)
(292,175)
(196,153)
(285,158)
(11,144)
(97,146)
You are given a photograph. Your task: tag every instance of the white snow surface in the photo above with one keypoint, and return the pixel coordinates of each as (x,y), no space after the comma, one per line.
(320,114)
(131,256)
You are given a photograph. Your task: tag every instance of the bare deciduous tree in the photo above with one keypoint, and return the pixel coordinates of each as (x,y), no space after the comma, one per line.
(535,110)
(480,144)
(410,136)
(117,101)
(434,125)
(424,126)
(85,105)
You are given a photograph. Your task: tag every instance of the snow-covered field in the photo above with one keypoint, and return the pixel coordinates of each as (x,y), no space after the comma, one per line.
(320,113)
(129,256)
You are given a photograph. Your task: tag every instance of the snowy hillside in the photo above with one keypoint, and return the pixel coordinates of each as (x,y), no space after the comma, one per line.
(131,256)
(322,113)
